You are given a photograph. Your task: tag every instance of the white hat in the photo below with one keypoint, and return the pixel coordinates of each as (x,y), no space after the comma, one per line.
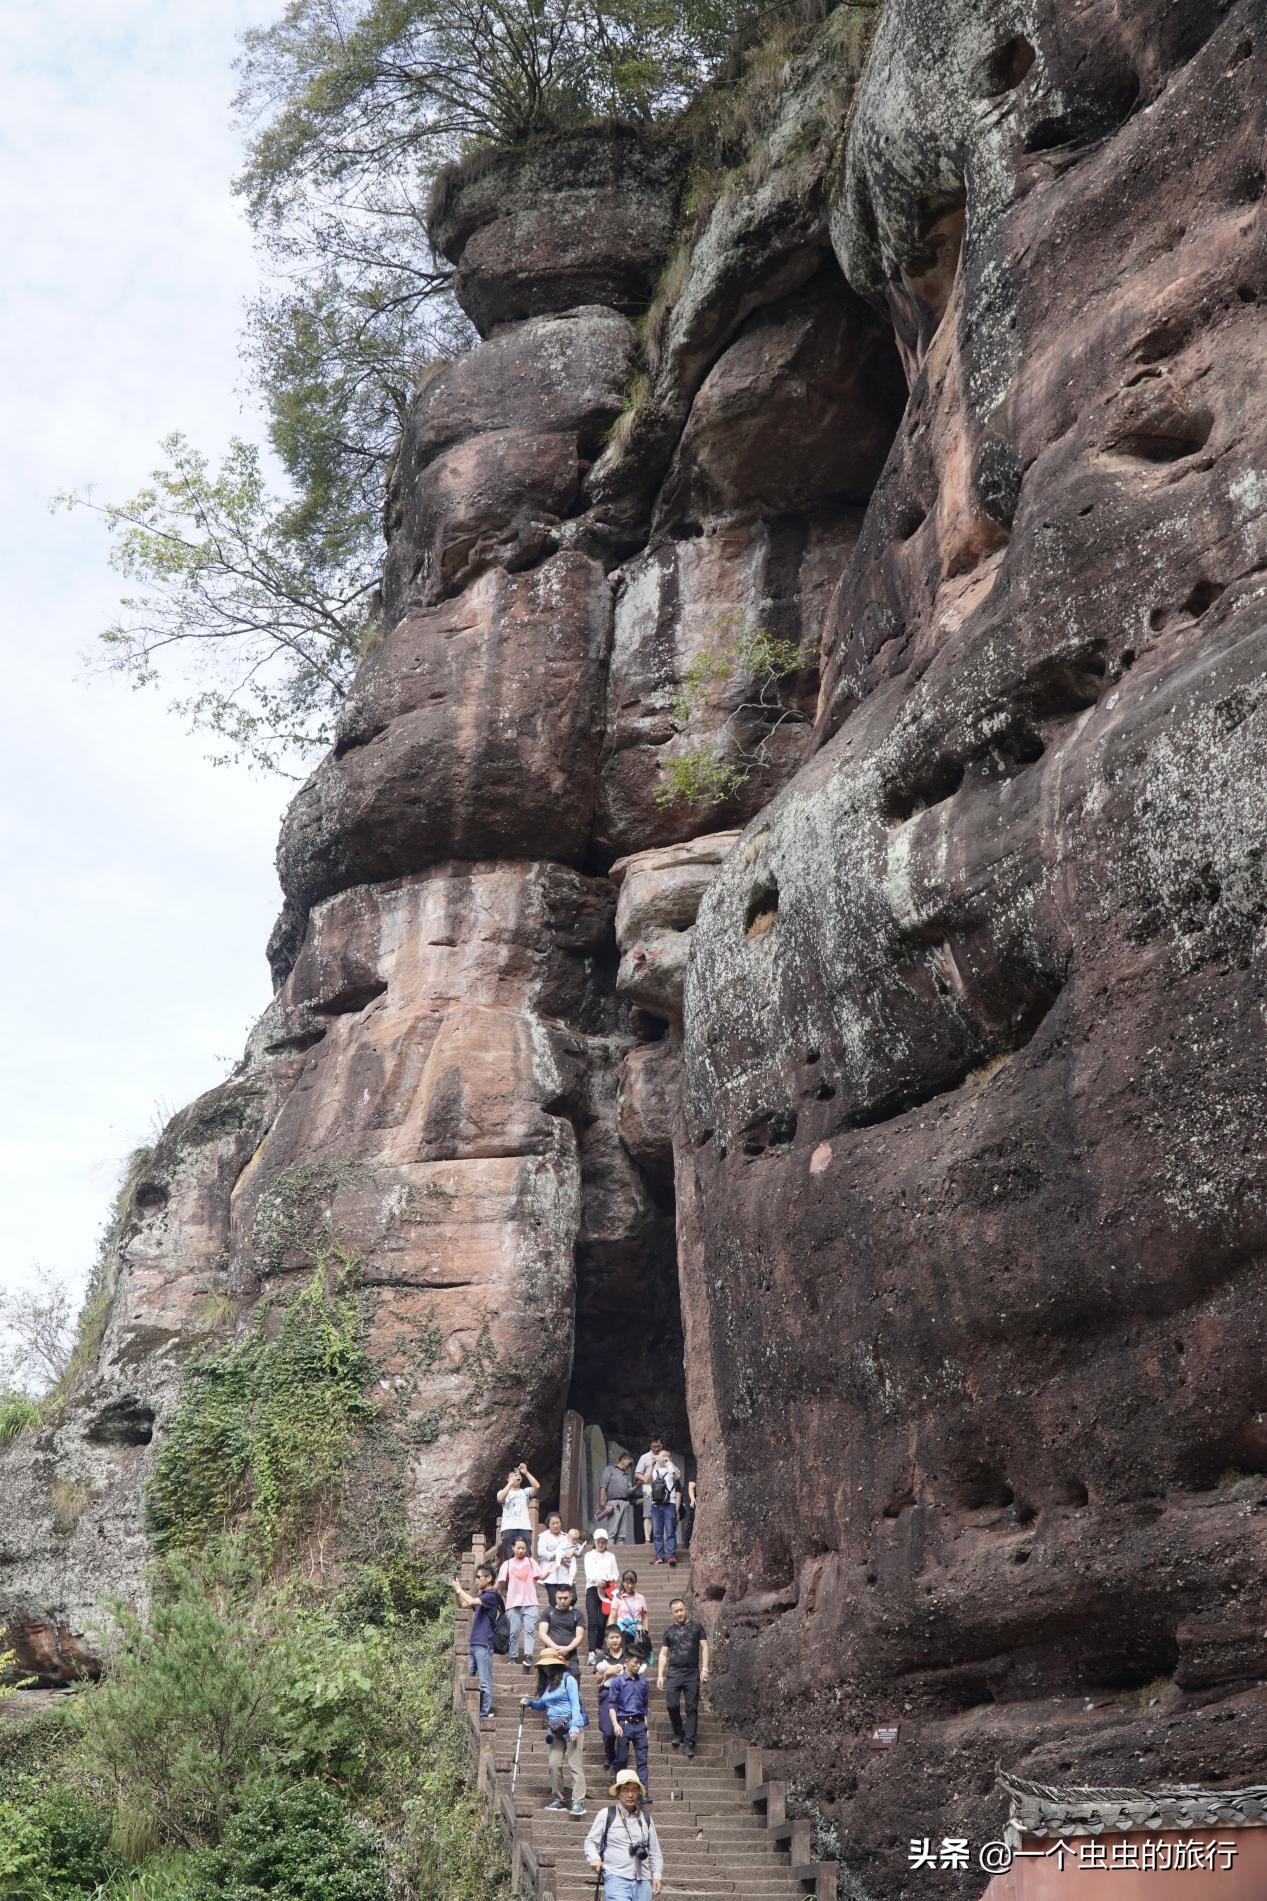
(600,1531)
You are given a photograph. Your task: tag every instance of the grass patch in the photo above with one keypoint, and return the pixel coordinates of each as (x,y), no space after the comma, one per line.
(18,1414)
(68,1501)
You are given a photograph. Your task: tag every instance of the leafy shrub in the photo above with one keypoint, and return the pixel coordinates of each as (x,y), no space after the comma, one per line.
(9,1680)
(762,663)
(300,1844)
(55,1844)
(186,1715)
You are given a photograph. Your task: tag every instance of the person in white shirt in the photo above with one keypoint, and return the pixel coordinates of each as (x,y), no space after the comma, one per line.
(642,1473)
(515,1499)
(601,1569)
(557,1553)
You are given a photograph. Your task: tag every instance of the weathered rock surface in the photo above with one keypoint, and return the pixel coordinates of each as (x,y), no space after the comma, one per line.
(495,451)
(584,218)
(686,603)
(660,896)
(949,1068)
(972,1035)
(472,731)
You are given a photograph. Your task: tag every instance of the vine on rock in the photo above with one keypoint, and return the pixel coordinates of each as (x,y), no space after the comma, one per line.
(266,1424)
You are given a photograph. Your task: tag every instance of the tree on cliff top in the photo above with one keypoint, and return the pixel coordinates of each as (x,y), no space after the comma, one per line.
(351,108)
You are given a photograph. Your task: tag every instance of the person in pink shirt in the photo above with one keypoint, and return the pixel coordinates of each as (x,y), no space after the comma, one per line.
(517,1582)
(628,1614)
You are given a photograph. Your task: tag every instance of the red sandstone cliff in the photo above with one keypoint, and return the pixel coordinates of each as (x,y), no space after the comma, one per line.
(959,1073)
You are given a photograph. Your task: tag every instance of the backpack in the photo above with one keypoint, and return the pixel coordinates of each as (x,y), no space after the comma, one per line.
(501,1628)
(659,1490)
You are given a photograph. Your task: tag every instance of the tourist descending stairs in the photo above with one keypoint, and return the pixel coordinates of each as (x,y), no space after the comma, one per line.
(721,1828)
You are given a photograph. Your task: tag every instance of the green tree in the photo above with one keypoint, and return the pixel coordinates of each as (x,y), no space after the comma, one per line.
(274,603)
(350,107)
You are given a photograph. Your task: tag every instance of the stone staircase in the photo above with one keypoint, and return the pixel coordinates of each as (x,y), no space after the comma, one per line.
(721,1822)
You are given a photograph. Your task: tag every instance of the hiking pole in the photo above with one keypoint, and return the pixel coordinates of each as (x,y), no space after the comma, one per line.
(514,1773)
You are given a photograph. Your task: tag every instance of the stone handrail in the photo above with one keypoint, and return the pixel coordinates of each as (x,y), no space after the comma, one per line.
(532,1873)
(817,1877)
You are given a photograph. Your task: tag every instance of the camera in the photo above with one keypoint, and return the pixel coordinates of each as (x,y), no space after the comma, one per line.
(639,1853)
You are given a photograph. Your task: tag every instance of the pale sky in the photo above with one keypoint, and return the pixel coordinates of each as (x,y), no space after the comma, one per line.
(137,880)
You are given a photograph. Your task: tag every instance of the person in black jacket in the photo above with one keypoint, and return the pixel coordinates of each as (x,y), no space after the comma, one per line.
(683,1667)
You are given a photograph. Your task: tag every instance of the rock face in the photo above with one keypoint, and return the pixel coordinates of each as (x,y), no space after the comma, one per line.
(973,1039)
(908,1092)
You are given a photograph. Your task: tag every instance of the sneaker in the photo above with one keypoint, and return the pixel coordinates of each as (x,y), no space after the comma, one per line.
(556,1802)
(578,1808)
(675,1742)
(672,1560)
(690,1749)
(592,1659)
(527,1663)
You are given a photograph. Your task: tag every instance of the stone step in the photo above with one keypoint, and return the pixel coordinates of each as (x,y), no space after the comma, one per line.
(716,1844)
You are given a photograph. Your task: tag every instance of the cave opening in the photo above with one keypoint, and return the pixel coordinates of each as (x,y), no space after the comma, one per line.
(628,1365)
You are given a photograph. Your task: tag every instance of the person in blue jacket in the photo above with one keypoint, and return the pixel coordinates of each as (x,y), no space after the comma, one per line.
(629,1716)
(566,1721)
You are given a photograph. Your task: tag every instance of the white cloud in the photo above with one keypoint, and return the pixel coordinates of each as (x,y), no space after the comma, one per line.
(137,881)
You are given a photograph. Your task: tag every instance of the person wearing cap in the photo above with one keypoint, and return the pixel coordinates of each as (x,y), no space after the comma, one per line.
(615,1493)
(601,1569)
(623,1847)
(629,1703)
(560,1702)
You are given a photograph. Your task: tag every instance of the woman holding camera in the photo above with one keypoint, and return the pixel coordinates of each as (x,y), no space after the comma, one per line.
(515,1498)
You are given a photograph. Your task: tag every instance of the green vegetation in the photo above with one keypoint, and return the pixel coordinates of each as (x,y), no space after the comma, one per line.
(251,1741)
(351,109)
(762,663)
(266,1425)
(18,1414)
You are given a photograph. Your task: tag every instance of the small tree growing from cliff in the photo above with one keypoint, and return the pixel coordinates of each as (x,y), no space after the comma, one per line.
(37,1333)
(273,603)
(704,775)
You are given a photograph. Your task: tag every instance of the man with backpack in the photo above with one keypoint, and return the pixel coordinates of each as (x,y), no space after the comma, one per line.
(622,1846)
(684,1663)
(665,1491)
(488,1608)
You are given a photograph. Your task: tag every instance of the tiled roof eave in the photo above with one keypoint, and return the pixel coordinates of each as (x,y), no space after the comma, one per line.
(1061,1813)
